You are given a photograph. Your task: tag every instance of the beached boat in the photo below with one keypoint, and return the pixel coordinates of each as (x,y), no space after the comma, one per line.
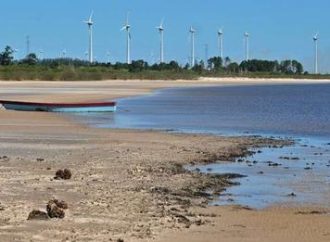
(59,107)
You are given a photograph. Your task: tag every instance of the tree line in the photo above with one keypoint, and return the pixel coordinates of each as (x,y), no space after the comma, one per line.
(214,66)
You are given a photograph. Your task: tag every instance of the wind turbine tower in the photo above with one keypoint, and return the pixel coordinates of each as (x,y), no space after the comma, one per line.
(90,23)
(316,66)
(247,54)
(161,33)
(28,43)
(192,32)
(127,27)
(220,42)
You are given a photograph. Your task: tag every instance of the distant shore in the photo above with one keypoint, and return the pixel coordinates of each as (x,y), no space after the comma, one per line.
(83,91)
(129,184)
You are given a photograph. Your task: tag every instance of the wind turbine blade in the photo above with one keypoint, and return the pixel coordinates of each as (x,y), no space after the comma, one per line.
(91,16)
(123,28)
(127,17)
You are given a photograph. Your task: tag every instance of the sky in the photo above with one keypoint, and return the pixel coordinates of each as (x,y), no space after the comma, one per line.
(279,29)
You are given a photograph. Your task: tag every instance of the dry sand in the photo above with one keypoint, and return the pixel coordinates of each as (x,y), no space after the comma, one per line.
(126,184)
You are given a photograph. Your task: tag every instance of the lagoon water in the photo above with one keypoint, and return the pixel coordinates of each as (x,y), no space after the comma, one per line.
(298,111)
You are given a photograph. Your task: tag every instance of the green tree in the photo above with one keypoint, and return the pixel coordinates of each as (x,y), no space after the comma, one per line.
(199,67)
(233,67)
(30,59)
(215,63)
(138,66)
(298,67)
(6,57)
(227,61)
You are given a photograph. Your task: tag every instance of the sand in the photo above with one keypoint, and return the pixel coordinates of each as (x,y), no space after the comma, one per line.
(127,184)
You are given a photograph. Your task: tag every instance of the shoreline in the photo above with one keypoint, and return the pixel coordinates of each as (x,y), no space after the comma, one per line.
(126,184)
(113,89)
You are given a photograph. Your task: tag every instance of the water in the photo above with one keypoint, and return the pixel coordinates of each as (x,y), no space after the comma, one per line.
(299,111)
(306,175)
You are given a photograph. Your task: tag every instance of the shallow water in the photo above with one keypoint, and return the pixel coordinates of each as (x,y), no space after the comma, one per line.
(299,111)
(302,170)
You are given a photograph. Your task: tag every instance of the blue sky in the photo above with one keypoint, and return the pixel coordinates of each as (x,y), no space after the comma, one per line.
(279,29)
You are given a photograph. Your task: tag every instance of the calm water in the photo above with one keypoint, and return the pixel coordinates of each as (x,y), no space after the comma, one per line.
(302,110)
(299,111)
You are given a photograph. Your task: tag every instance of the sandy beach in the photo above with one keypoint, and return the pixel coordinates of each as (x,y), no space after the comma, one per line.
(126,184)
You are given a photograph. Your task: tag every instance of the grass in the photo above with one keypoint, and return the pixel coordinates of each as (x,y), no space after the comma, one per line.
(86,73)
(71,73)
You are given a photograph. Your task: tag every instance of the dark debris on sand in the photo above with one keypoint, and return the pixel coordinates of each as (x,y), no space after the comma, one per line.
(38,215)
(65,174)
(54,208)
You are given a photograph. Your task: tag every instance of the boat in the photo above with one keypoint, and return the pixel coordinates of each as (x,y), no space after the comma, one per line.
(59,107)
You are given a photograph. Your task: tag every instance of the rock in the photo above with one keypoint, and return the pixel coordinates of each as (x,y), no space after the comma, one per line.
(198,222)
(37,215)
(55,208)
(292,194)
(120,240)
(160,190)
(289,158)
(273,164)
(183,219)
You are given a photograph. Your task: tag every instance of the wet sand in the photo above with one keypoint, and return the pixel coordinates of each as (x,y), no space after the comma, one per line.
(126,184)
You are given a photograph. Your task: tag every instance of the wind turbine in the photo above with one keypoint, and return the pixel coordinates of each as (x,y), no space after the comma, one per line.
(90,23)
(127,27)
(316,38)
(161,33)
(220,42)
(41,54)
(247,54)
(108,56)
(192,31)
(28,44)
(63,53)
(14,52)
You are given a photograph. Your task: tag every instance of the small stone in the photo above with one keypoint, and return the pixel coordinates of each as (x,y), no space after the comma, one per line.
(38,215)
